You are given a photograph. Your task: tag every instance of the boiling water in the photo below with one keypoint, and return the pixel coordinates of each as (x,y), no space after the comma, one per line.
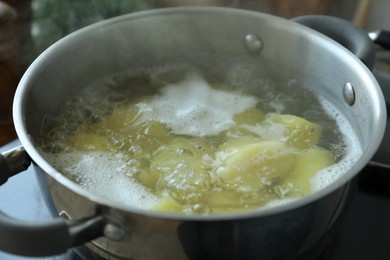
(188,106)
(193,108)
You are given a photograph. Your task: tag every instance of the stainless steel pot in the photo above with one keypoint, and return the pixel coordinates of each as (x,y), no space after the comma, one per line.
(211,38)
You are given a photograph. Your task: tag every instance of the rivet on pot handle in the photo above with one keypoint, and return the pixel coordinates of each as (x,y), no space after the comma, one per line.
(42,239)
(347,34)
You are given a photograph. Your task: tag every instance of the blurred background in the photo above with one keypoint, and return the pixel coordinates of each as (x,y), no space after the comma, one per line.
(28,27)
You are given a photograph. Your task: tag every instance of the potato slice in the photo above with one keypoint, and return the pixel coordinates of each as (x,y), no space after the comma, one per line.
(307,164)
(299,132)
(149,135)
(232,144)
(125,127)
(89,142)
(121,117)
(181,149)
(183,169)
(252,166)
(168,204)
(251,116)
(148,178)
(245,121)
(223,198)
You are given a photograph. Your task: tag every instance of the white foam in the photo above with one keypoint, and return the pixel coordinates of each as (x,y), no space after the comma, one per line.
(353,151)
(104,175)
(193,107)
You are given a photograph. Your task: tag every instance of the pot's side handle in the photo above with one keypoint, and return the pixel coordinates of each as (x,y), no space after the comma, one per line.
(347,34)
(40,239)
(13,162)
(46,239)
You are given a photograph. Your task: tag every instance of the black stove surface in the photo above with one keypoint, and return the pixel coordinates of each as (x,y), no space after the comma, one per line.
(364,234)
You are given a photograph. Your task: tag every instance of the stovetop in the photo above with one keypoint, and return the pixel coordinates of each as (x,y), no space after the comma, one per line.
(365,233)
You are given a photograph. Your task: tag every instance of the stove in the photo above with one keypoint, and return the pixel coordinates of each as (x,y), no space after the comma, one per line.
(364,233)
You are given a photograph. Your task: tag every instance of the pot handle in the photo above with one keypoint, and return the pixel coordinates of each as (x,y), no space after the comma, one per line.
(40,239)
(13,162)
(347,34)
(382,38)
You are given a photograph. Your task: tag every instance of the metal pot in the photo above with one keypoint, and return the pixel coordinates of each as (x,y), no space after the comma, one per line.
(211,38)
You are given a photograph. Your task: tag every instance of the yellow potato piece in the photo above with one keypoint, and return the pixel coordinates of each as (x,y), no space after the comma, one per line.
(179,149)
(125,127)
(148,178)
(217,203)
(89,142)
(121,117)
(126,120)
(222,198)
(251,116)
(153,129)
(233,143)
(182,167)
(149,135)
(255,165)
(307,164)
(300,133)
(168,204)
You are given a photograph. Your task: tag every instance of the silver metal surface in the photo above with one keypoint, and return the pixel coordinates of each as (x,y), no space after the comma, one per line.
(114,232)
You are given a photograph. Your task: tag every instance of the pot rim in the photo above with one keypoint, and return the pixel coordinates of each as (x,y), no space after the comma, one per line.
(23,135)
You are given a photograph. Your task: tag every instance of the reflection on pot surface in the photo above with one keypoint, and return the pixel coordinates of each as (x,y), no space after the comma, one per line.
(172,140)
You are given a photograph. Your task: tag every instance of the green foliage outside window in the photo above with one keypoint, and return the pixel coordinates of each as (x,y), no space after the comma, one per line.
(54,19)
